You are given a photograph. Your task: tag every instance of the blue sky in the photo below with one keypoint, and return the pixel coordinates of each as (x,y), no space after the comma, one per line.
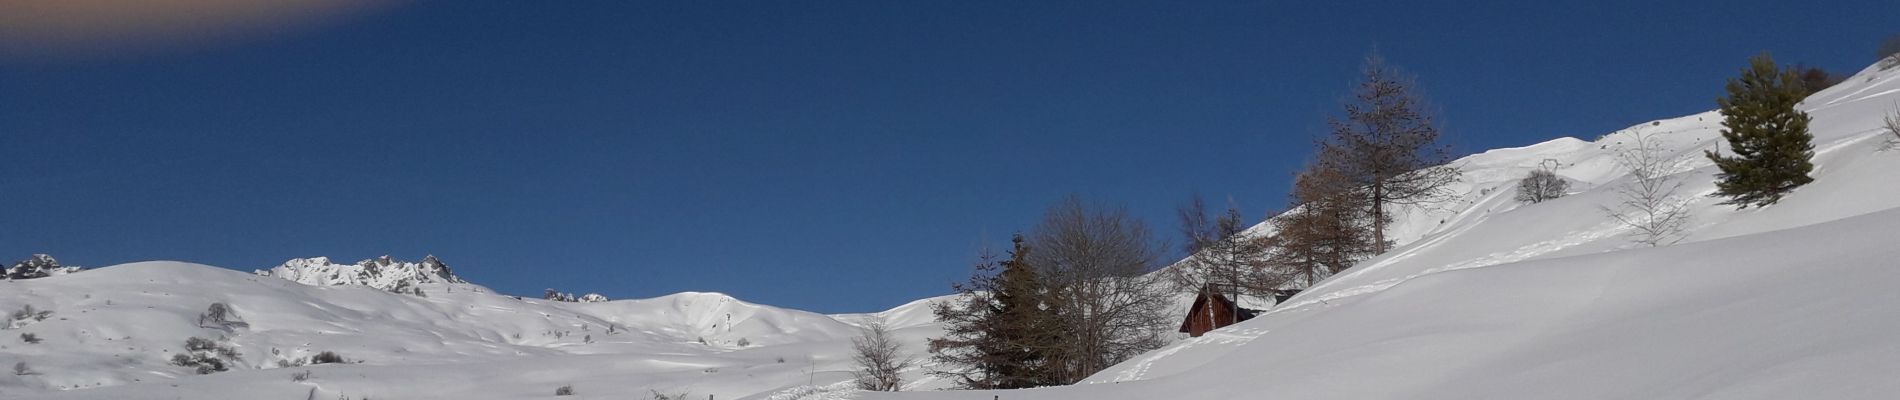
(818,155)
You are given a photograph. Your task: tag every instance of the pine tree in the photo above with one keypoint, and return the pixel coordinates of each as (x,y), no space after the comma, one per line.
(999,333)
(1769,137)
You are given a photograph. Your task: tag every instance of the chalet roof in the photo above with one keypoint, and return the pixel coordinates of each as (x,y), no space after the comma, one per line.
(1210,296)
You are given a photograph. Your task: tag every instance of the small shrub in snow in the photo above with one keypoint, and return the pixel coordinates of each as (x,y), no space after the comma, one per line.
(217,313)
(28,313)
(1893,130)
(20,369)
(658,395)
(327,357)
(1540,186)
(219,316)
(205,355)
(300,376)
(30,338)
(743,342)
(203,364)
(567,390)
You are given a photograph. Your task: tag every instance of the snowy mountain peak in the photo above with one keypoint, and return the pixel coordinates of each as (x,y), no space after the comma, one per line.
(37,266)
(383,273)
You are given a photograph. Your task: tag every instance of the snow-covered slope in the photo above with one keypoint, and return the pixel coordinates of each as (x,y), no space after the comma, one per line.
(113,330)
(1488,298)
(1485,298)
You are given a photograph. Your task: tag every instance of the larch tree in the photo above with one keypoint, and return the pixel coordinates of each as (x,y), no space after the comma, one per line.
(1325,230)
(1387,143)
(1218,254)
(1770,139)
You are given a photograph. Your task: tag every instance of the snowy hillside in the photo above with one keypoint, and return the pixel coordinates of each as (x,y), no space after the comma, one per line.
(1489,298)
(1484,298)
(113,331)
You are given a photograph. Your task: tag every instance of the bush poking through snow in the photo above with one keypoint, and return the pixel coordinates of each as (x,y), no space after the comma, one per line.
(219,316)
(327,357)
(658,395)
(300,376)
(199,363)
(743,342)
(567,390)
(30,338)
(205,356)
(1893,130)
(21,369)
(1541,185)
(27,313)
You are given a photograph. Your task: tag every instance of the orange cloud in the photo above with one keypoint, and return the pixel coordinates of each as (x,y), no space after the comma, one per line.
(122,26)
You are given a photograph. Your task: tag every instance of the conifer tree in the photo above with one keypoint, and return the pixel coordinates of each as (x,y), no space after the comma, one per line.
(1769,137)
(999,333)
(1326,230)
(1388,144)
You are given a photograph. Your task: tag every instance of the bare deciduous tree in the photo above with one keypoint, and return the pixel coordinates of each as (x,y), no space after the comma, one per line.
(1893,130)
(1542,184)
(656,394)
(1387,144)
(1648,202)
(1095,262)
(1219,254)
(880,359)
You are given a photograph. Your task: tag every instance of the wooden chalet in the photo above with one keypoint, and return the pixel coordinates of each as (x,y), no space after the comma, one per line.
(1212,310)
